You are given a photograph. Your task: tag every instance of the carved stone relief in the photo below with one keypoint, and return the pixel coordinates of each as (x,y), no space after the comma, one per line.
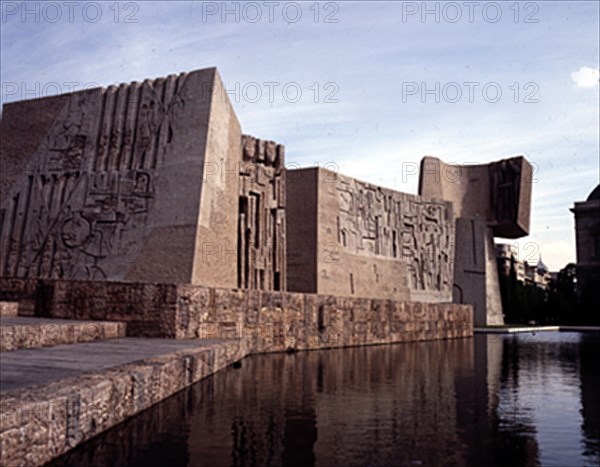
(85,196)
(375,221)
(261,224)
(505,183)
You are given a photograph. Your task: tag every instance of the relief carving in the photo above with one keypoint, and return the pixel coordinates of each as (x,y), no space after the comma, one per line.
(84,200)
(261,221)
(375,221)
(505,183)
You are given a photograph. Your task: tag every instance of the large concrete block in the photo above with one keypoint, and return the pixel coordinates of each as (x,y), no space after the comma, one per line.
(350,238)
(489,200)
(111,184)
(498,192)
(475,272)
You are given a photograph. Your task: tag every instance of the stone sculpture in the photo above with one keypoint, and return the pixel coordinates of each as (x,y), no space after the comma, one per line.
(490,200)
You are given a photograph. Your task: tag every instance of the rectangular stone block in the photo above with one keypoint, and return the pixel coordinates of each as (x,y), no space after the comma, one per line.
(9,308)
(42,422)
(350,238)
(114,184)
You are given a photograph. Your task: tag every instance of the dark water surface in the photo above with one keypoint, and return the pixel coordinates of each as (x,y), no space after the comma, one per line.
(488,401)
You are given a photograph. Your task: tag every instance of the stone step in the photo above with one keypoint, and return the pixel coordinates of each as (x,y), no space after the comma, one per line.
(9,309)
(18,332)
(55,398)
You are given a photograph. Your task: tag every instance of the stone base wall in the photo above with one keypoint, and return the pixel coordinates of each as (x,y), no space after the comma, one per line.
(148,309)
(268,321)
(9,309)
(58,416)
(14,336)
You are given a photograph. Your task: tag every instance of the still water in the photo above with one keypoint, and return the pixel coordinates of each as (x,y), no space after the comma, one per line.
(487,401)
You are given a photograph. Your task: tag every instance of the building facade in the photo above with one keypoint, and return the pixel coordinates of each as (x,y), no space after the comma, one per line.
(587,235)
(534,274)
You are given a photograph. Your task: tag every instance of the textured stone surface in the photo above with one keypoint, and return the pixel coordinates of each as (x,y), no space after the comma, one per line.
(268,320)
(489,200)
(350,238)
(9,308)
(109,183)
(261,232)
(148,309)
(41,422)
(26,333)
(50,414)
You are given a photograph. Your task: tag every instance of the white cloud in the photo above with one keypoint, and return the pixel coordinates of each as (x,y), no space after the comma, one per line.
(586,77)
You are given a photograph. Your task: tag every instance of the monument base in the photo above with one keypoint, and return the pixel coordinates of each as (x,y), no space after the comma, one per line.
(269,321)
(206,329)
(476,273)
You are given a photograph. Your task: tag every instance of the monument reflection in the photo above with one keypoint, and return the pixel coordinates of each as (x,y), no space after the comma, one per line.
(491,400)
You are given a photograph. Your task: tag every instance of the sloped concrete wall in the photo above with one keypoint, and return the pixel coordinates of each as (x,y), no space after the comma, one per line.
(111,184)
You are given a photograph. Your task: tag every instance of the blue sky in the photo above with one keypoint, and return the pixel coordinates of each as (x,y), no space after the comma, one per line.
(365,63)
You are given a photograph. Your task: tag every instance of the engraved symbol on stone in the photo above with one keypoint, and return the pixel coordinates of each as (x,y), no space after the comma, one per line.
(75,231)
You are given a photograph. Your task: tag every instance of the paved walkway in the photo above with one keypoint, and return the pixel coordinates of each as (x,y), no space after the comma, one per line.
(58,397)
(29,367)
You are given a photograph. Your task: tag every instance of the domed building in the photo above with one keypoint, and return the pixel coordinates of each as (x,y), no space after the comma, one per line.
(541,268)
(587,232)
(541,274)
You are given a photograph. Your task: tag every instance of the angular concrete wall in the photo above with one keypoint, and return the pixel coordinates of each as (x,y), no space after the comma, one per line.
(476,273)
(110,183)
(350,238)
(218,217)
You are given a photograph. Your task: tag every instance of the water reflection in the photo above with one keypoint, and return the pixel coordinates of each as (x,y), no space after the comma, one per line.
(492,400)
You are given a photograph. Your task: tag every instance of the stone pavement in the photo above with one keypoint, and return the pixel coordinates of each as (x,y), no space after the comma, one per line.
(30,367)
(54,398)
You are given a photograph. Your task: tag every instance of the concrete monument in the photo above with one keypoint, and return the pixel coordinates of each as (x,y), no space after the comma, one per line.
(110,183)
(149,182)
(351,238)
(489,200)
(154,182)
(143,207)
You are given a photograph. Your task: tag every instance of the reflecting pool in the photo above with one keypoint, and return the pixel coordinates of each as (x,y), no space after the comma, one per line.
(493,400)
